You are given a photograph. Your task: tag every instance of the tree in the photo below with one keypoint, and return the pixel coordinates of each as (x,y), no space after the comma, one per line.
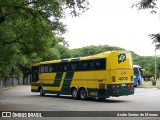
(156,40)
(150,4)
(29,28)
(53,54)
(64,51)
(146,62)
(34,24)
(147,4)
(92,50)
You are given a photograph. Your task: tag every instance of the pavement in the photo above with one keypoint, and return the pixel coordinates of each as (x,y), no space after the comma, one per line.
(20,98)
(148,87)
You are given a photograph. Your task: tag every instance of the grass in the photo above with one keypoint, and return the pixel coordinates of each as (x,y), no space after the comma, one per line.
(149,84)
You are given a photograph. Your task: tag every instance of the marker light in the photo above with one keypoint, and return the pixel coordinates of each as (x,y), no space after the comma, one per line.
(130,86)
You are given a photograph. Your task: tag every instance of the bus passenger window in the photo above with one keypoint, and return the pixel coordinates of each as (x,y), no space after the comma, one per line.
(63,67)
(46,68)
(74,66)
(91,65)
(87,65)
(42,68)
(50,68)
(84,65)
(100,64)
(60,67)
(55,67)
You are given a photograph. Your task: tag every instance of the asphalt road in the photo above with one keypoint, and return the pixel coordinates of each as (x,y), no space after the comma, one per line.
(21,99)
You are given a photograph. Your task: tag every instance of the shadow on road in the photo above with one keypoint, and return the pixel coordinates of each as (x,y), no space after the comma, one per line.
(107,100)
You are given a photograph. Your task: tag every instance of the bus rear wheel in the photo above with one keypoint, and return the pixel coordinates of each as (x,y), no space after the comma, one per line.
(83,94)
(75,94)
(42,93)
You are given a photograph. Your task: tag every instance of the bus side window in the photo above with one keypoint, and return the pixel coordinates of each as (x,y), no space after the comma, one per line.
(52,67)
(55,67)
(42,68)
(46,68)
(100,64)
(87,65)
(74,66)
(63,67)
(60,67)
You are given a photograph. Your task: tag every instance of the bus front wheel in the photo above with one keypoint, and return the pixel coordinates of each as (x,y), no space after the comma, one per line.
(42,93)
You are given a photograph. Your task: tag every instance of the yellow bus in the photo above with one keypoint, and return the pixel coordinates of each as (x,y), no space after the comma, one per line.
(99,76)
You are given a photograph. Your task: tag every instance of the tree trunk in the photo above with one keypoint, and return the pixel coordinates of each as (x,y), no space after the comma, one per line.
(5,81)
(23,80)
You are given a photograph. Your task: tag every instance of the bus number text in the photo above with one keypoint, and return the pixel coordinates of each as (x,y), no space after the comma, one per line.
(123,78)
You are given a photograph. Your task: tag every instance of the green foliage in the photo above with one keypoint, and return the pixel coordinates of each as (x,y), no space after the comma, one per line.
(156,39)
(92,50)
(64,51)
(150,4)
(29,32)
(147,4)
(53,54)
(146,62)
(58,52)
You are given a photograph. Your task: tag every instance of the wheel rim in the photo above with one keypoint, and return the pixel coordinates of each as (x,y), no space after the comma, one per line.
(41,92)
(74,93)
(83,94)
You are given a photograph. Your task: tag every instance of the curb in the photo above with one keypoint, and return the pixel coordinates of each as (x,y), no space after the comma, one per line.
(6,88)
(148,87)
(3,88)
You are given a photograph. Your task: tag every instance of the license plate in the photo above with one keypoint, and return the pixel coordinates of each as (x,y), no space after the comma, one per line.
(123,85)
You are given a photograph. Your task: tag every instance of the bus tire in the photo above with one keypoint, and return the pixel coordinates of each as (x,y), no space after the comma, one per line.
(42,93)
(75,94)
(83,94)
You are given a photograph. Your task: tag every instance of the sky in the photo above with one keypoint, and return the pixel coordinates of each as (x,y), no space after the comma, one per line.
(114,23)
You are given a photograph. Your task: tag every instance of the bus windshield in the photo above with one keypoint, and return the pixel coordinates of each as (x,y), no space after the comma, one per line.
(138,75)
(136,71)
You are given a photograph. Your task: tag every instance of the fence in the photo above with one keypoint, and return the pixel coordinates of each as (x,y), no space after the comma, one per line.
(14,82)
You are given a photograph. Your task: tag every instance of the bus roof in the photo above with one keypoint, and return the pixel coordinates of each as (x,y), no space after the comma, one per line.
(136,66)
(100,55)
